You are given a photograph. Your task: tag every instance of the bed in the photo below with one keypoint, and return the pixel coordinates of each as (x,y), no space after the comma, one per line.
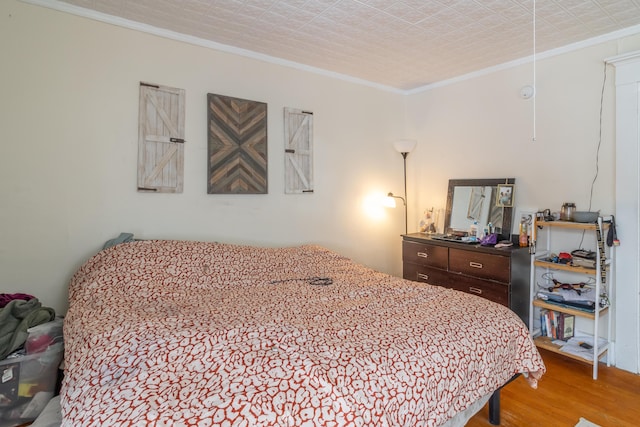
(196,333)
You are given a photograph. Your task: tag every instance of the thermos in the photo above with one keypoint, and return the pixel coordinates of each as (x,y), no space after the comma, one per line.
(566,213)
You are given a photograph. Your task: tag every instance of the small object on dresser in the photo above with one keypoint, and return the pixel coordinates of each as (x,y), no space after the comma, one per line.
(504,244)
(489,240)
(473,231)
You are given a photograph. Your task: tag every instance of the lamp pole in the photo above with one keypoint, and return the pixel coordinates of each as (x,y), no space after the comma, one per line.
(406,222)
(404,147)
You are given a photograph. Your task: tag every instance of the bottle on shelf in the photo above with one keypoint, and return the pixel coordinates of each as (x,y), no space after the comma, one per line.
(523,238)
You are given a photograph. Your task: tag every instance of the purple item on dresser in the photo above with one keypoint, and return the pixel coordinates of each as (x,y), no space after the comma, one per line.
(489,240)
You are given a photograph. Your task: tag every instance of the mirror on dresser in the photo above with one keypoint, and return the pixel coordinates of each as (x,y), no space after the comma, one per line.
(470,200)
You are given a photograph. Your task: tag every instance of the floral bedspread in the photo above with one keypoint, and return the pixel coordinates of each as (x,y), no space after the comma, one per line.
(192,333)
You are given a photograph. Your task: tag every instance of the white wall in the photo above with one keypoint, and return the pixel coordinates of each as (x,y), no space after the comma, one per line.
(482,128)
(69,120)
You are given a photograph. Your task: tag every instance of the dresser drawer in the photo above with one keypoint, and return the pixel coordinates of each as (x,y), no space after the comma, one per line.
(499,275)
(429,255)
(492,291)
(432,276)
(478,264)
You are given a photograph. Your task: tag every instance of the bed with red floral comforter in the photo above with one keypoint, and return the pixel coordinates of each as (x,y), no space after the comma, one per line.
(193,333)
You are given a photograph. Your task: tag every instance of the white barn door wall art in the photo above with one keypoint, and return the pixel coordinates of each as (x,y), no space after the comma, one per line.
(298,161)
(161,139)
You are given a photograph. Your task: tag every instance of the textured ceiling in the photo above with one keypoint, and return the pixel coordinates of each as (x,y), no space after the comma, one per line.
(403,44)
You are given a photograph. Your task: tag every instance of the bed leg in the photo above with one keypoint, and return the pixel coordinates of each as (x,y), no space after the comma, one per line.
(494,403)
(494,408)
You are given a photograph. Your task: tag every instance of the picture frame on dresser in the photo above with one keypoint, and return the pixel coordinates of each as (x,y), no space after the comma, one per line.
(504,195)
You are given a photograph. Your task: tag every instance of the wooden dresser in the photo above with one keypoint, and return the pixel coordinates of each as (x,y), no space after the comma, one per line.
(500,275)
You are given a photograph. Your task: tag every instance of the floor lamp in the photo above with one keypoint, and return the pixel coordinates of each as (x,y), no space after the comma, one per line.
(404,147)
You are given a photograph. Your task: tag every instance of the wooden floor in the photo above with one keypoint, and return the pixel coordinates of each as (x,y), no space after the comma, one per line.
(567,392)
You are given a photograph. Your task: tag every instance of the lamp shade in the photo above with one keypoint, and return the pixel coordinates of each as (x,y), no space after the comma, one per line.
(389,202)
(404,145)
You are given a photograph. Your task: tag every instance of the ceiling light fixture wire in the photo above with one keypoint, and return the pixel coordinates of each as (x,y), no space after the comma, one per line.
(595,177)
(535,87)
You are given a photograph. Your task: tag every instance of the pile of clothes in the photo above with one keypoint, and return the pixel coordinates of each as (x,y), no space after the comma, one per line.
(31,349)
(18,313)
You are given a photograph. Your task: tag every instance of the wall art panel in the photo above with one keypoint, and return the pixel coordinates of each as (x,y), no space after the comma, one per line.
(237,145)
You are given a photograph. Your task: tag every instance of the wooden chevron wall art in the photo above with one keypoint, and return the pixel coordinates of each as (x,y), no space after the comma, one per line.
(237,145)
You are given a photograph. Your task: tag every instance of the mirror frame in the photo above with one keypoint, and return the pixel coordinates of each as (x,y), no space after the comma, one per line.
(507,214)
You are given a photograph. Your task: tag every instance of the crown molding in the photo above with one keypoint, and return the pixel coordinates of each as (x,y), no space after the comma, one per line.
(630,31)
(173,35)
(197,41)
(624,58)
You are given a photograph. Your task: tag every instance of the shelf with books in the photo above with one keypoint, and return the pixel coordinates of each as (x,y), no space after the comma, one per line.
(557,325)
(558,297)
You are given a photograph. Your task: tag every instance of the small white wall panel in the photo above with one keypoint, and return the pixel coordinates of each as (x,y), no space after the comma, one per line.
(161,139)
(298,134)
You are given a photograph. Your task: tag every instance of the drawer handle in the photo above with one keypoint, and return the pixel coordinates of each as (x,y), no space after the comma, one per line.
(475,264)
(423,276)
(475,290)
(423,254)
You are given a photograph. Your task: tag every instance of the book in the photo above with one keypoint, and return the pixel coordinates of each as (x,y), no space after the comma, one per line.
(568,326)
(548,323)
(543,322)
(560,326)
